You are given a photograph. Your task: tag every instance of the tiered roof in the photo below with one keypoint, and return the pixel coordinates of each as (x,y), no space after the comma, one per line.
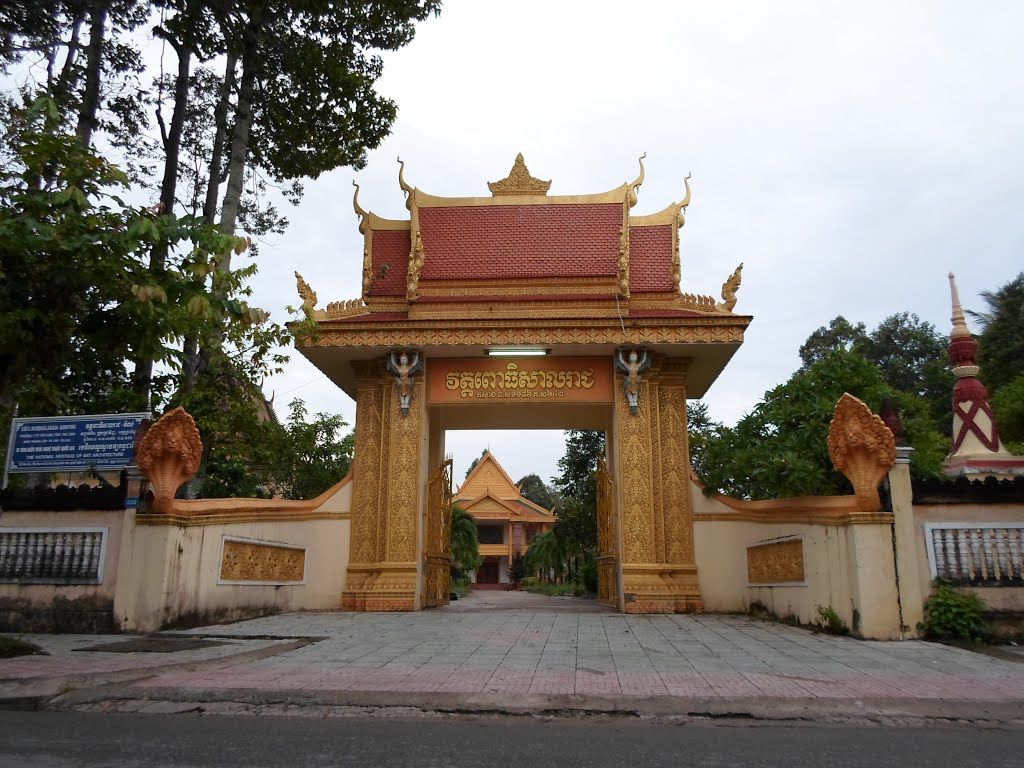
(579,274)
(521,244)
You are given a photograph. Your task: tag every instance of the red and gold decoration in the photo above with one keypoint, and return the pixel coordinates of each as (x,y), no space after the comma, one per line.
(580,278)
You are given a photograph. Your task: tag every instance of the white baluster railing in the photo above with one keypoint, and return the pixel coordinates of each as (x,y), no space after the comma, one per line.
(990,554)
(52,555)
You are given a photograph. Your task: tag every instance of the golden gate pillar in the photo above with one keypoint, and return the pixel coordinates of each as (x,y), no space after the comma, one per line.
(652,459)
(388,472)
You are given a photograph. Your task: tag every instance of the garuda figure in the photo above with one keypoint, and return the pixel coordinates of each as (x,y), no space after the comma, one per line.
(632,364)
(403,370)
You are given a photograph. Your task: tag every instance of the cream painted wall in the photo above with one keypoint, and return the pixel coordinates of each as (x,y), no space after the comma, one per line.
(847,567)
(188,586)
(996,598)
(43,594)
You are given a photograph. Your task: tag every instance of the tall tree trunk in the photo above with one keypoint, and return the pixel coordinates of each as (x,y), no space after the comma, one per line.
(87,114)
(220,119)
(192,359)
(142,378)
(61,85)
(232,204)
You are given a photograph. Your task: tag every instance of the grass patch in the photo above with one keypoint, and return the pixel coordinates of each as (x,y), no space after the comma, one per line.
(554,590)
(11,647)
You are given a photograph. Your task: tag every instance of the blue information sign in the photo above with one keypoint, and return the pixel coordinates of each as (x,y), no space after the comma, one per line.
(51,444)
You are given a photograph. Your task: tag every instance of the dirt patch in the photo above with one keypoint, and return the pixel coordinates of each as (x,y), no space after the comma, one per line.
(11,647)
(152,644)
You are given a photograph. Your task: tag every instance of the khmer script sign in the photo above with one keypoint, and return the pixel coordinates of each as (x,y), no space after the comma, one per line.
(70,443)
(519,379)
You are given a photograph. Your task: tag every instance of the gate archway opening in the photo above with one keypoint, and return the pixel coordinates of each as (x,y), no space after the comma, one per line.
(508,518)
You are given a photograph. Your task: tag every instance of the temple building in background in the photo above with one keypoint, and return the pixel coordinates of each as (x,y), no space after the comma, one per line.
(505,519)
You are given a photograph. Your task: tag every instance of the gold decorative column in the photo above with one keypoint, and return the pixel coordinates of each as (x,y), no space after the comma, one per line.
(382,572)
(658,570)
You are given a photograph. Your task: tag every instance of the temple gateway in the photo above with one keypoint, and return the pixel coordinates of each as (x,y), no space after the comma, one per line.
(523,310)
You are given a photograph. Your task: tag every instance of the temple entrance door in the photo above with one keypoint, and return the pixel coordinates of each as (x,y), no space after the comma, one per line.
(488,572)
(608,590)
(437,550)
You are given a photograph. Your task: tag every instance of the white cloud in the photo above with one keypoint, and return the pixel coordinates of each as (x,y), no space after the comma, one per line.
(849,154)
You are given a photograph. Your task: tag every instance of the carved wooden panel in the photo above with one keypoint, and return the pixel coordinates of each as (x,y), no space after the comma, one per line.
(607,539)
(437,553)
(251,561)
(778,562)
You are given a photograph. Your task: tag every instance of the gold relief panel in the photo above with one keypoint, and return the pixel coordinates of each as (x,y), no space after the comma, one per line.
(249,561)
(776,562)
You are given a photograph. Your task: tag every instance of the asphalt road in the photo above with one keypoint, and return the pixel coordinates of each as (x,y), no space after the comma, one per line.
(29,739)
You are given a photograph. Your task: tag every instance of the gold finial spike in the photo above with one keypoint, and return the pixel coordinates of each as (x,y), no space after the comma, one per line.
(681,205)
(362,214)
(634,187)
(959,321)
(519,181)
(404,185)
(306,293)
(686,200)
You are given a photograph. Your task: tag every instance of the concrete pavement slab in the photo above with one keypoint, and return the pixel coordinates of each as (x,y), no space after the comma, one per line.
(516,646)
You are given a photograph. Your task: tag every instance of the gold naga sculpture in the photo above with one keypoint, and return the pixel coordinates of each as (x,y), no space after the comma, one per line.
(862,448)
(306,293)
(169,456)
(729,288)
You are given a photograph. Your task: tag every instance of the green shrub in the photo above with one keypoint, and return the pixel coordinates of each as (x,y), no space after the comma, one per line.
(588,573)
(950,614)
(829,621)
(461,585)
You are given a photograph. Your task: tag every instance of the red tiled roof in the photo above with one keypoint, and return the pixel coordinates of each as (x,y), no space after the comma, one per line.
(561,298)
(650,259)
(390,247)
(520,241)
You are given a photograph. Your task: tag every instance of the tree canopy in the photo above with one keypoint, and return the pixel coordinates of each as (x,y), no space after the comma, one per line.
(780,448)
(1001,356)
(534,489)
(1001,352)
(111,307)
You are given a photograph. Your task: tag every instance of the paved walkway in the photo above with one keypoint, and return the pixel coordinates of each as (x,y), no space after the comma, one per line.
(570,646)
(509,647)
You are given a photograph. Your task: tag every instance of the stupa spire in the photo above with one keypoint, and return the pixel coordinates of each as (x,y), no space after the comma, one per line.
(977,450)
(958,319)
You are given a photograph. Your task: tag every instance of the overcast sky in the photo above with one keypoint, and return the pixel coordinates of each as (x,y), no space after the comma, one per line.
(850,154)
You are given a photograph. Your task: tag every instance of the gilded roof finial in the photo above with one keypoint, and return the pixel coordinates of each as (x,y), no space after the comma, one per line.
(634,188)
(519,181)
(362,214)
(402,183)
(686,200)
(306,293)
(682,204)
(959,321)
